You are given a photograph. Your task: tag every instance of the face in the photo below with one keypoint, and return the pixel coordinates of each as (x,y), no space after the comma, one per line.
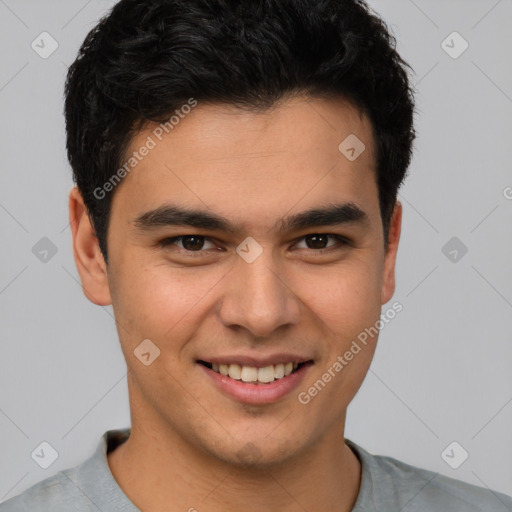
(259,288)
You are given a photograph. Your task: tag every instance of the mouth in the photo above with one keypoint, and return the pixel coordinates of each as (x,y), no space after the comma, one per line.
(255,375)
(255,380)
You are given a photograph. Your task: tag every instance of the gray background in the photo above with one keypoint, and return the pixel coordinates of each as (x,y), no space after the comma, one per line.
(443,368)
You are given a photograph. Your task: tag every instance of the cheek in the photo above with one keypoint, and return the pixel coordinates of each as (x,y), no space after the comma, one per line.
(346,298)
(159,302)
(347,302)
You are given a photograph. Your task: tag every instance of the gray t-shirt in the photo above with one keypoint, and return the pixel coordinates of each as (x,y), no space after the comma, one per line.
(387,485)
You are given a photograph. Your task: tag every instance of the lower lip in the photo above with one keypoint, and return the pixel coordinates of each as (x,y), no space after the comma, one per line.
(248,393)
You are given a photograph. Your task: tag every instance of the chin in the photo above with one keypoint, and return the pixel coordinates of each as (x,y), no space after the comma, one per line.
(256,455)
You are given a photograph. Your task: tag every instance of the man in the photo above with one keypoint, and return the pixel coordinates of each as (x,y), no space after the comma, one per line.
(237,167)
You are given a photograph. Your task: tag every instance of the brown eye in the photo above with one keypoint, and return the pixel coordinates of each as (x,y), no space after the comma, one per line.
(190,243)
(318,241)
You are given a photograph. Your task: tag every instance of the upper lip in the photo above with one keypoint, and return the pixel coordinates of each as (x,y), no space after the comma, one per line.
(258,362)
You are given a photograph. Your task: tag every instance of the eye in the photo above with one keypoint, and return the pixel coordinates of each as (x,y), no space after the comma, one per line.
(318,241)
(196,243)
(189,243)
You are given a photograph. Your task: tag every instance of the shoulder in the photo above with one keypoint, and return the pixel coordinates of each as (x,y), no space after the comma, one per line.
(389,482)
(87,487)
(55,493)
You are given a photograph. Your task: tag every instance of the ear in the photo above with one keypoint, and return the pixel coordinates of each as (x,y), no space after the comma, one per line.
(388,276)
(88,258)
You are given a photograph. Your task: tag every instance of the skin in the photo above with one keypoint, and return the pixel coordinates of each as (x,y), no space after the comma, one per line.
(192,446)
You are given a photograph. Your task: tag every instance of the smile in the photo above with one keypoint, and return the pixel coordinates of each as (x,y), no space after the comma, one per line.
(252,374)
(255,380)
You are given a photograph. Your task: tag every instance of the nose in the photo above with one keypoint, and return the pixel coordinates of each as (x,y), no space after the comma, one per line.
(258,298)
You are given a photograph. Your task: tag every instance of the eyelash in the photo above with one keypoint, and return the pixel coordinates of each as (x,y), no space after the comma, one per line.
(342,241)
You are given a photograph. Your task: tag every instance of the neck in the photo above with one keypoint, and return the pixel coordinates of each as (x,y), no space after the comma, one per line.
(158,468)
(160,472)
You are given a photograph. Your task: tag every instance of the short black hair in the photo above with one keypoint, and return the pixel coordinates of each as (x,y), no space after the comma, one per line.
(147,58)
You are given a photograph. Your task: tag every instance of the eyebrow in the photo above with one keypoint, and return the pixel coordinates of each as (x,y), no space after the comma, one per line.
(173,215)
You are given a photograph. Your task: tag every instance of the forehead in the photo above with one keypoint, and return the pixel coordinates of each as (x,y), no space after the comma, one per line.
(256,165)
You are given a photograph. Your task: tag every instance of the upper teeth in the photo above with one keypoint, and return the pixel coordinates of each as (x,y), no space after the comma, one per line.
(253,374)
